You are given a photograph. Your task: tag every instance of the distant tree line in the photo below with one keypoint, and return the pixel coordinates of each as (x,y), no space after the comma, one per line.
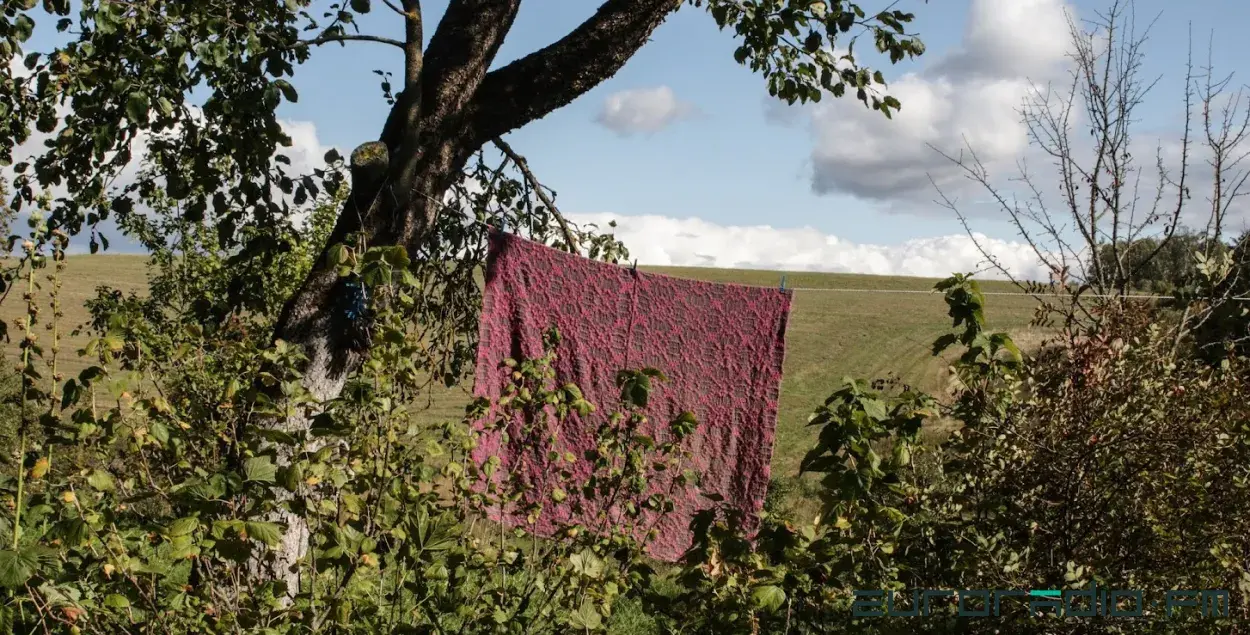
(1174,267)
(1164,270)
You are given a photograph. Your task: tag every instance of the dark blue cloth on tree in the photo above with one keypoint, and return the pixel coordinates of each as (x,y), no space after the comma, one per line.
(355,318)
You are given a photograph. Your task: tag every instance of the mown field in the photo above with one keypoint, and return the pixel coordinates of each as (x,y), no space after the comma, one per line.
(847,330)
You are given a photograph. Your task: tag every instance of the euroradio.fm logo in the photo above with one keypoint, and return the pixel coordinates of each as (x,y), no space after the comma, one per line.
(1084,602)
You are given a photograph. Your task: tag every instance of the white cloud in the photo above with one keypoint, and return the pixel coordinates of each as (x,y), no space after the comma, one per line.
(1021,38)
(663,241)
(973,93)
(642,110)
(306,152)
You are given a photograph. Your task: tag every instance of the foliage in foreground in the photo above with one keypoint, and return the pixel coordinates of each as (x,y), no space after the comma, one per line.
(143,497)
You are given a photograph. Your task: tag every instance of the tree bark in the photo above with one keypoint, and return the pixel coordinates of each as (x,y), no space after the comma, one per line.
(449,107)
(308,321)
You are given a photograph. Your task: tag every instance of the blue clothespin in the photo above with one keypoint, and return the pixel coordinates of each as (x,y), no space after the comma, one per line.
(783,282)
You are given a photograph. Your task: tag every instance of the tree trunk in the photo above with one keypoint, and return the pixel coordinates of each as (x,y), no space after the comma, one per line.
(308,320)
(450,107)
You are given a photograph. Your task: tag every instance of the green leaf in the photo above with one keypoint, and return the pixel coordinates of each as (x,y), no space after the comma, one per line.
(16,567)
(874,408)
(69,394)
(206,490)
(260,469)
(101,480)
(360,6)
(137,107)
(644,441)
(75,533)
(268,533)
(902,455)
(292,477)
(336,255)
(159,431)
(874,461)
(586,617)
(114,343)
(288,91)
(768,598)
(587,564)
(115,601)
(944,342)
(182,526)
(23,26)
(396,256)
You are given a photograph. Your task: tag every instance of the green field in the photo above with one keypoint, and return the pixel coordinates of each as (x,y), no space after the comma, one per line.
(831,334)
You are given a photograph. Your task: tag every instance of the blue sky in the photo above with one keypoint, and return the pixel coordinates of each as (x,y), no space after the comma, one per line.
(729,163)
(712,160)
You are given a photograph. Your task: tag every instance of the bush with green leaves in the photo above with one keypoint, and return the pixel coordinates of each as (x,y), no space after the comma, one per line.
(1110,459)
(161,508)
(1106,457)
(144,495)
(797,576)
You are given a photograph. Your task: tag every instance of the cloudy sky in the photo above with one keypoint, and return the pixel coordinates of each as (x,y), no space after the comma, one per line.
(684,149)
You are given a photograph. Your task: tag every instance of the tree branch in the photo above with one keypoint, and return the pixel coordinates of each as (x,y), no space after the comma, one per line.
(413,41)
(524,167)
(1182,190)
(547,79)
(349,37)
(406,111)
(461,50)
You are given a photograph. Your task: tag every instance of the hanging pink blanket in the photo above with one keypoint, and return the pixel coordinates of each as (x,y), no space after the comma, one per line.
(721,347)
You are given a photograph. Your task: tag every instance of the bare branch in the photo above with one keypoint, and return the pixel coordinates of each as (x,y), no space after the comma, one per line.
(348,37)
(963,220)
(1182,190)
(1224,139)
(1107,208)
(1050,128)
(975,170)
(539,189)
(1042,216)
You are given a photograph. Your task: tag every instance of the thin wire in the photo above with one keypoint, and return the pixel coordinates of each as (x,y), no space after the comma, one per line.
(1019,293)
(854,290)
(1025,294)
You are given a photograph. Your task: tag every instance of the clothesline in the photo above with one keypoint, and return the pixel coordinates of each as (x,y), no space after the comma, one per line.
(1019,293)
(854,290)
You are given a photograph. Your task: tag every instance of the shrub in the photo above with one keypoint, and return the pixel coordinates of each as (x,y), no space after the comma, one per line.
(145,496)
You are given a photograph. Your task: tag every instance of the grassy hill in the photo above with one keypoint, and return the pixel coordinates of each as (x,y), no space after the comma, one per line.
(849,328)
